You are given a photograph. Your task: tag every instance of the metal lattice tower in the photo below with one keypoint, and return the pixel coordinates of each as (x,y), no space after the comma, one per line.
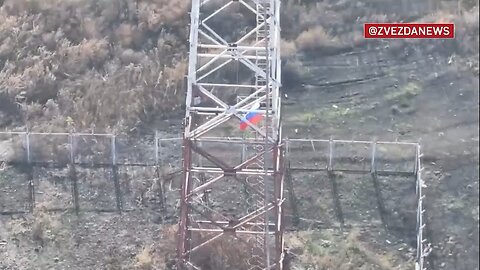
(233,180)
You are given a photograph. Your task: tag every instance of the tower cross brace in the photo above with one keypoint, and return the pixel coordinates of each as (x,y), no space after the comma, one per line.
(232,190)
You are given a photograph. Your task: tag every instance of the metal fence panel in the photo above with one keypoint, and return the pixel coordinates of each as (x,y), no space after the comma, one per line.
(93,149)
(96,190)
(13,147)
(49,148)
(395,157)
(14,191)
(355,156)
(53,189)
(309,154)
(135,150)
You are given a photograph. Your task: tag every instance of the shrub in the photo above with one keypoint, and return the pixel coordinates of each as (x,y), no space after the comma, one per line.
(315,38)
(288,48)
(144,259)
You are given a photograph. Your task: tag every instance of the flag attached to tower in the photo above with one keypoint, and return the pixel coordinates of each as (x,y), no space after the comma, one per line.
(253,116)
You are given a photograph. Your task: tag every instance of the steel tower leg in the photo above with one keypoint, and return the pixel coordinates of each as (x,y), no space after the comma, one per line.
(230,71)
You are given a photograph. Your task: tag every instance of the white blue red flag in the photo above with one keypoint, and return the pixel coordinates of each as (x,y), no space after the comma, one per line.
(253,116)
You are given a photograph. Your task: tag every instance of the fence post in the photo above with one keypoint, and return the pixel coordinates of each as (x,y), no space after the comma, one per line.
(73,173)
(29,166)
(376,185)
(290,185)
(333,181)
(161,193)
(118,194)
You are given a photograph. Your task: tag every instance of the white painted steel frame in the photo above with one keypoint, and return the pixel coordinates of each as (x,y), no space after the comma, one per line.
(229,52)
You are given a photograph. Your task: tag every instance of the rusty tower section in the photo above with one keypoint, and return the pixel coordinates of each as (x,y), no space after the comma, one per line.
(232,189)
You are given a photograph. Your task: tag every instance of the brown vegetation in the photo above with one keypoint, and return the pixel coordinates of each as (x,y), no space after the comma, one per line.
(102,63)
(314,38)
(327,250)
(227,252)
(112,64)
(144,259)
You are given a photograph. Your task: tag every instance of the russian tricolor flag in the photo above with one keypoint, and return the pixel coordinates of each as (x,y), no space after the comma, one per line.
(253,116)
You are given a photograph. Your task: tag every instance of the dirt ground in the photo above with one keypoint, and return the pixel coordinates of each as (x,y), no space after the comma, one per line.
(442,116)
(419,96)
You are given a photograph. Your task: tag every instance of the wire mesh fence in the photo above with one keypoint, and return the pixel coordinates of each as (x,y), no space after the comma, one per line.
(108,173)
(85,172)
(387,158)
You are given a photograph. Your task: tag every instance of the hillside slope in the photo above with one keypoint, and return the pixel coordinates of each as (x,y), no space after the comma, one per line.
(71,64)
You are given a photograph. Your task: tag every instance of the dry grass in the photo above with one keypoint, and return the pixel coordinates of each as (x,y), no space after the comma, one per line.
(288,48)
(44,228)
(144,259)
(314,38)
(328,250)
(78,59)
(465,43)
(86,56)
(18,227)
(227,252)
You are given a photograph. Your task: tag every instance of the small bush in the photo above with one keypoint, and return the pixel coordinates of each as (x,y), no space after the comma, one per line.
(287,48)
(38,231)
(144,259)
(315,38)
(44,227)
